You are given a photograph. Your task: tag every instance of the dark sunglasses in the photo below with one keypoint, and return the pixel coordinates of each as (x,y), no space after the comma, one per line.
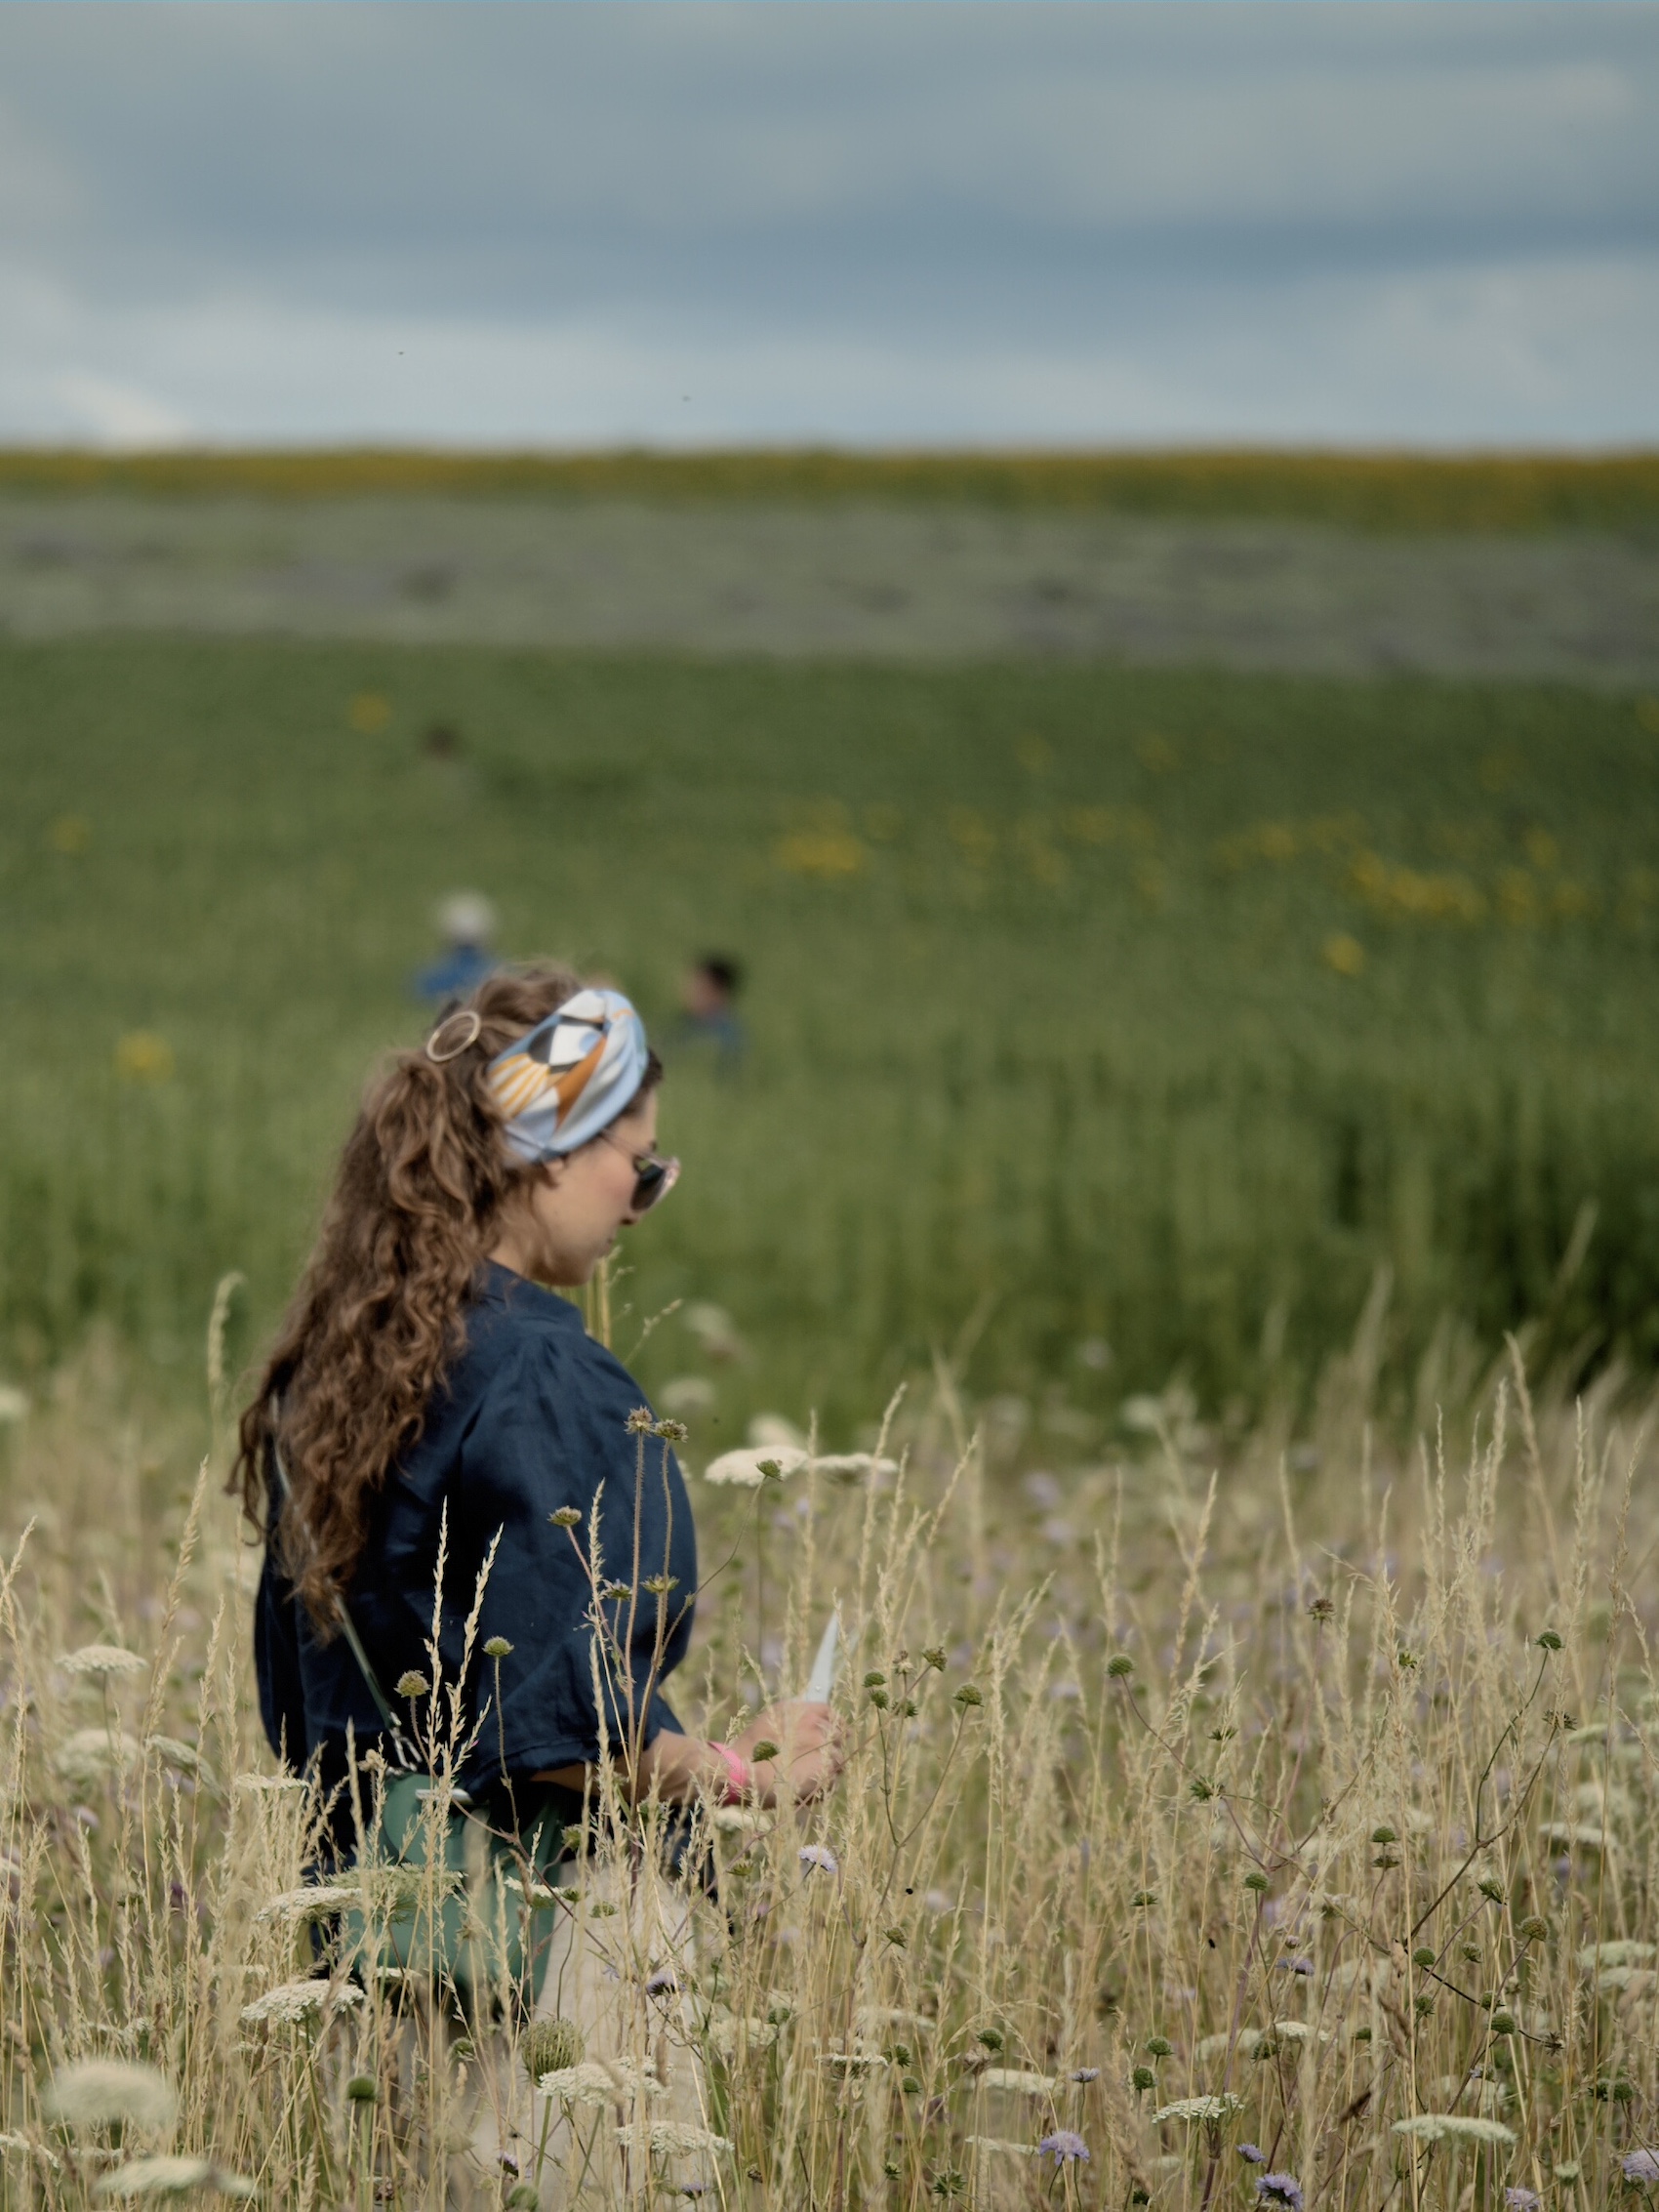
(654,1178)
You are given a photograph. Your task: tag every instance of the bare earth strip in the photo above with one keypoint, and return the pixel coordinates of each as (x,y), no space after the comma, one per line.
(868,581)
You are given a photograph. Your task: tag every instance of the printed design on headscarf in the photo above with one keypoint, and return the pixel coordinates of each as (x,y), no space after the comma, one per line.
(571,1075)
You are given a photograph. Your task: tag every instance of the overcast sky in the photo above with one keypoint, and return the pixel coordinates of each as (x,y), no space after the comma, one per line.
(574,223)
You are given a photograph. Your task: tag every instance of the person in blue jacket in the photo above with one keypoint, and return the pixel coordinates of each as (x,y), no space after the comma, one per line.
(435,1426)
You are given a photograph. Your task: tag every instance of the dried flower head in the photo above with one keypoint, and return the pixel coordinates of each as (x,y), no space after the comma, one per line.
(552,2046)
(567,1517)
(411,1684)
(497,1648)
(101,1659)
(96,2092)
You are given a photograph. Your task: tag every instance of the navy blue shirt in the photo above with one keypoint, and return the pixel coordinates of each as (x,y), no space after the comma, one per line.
(528,1417)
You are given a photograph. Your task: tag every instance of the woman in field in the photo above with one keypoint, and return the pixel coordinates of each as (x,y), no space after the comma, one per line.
(435,1425)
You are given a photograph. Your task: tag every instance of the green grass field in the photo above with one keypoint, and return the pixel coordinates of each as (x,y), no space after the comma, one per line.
(1130,1020)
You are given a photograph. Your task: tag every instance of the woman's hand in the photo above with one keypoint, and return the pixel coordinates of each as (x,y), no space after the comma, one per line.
(810,1753)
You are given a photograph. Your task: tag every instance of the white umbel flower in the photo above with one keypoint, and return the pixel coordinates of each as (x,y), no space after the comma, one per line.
(1205,2109)
(599,2082)
(1016,2077)
(173,2177)
(751,1464)
(1622,1953)
(672,2139)
(313,1903)
(101,1659)
(292,2003)
(96,2092)
(87,1755)
(1459,2127)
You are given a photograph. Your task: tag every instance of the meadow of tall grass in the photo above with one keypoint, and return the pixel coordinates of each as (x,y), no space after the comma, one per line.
(1120,1021)
(1264,1821)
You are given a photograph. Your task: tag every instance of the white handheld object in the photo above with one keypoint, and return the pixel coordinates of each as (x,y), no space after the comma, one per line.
(821,1682)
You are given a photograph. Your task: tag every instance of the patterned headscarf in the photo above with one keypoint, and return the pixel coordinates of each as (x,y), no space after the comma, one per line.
(570,1077)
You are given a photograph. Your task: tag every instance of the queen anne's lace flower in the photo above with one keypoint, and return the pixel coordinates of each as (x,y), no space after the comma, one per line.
(96,2092)
(292,2003)
(1016,2077)
(1460,2127)
(672,2139)
(103,1658)
(747,1467)
(313,1903)
(86,1753)
(173,2177)
(599,2082)
(1198,2109)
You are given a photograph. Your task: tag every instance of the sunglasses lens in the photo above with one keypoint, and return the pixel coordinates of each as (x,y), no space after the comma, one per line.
(657,1178)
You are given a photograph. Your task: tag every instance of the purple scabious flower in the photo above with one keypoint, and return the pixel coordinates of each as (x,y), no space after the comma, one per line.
(1522,2201)
(1642,2166)
(1279,2189)
(819,1855)
(1062,2145)
(1085,2073)
(1253,2154)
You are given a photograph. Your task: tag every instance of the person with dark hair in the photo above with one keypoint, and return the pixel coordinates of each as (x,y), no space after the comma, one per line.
(448,1468)
(709,1014)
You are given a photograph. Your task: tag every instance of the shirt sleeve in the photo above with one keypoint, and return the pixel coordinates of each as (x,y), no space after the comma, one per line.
(551,1433)
(276,1661)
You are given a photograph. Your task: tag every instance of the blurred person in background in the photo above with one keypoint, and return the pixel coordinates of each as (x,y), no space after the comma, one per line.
(466,922)
(708,1015)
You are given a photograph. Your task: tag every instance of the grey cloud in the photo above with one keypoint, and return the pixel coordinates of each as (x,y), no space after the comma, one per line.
(914,177)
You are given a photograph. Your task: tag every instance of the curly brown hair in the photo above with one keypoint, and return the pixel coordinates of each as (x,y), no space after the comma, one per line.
(380,1310)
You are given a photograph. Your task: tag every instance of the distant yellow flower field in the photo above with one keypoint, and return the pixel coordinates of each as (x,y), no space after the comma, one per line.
(1362,491)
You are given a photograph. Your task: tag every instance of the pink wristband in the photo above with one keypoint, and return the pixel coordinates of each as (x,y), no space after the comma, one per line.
(740,1774)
